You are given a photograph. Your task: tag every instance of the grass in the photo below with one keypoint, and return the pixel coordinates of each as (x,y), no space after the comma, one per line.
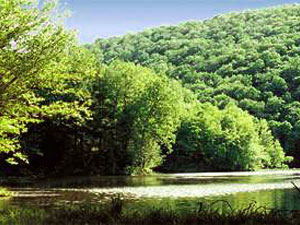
(114,214)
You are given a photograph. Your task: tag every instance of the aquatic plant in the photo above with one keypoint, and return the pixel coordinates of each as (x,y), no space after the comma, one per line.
(116,205)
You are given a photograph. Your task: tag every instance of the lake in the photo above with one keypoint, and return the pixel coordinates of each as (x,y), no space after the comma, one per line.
(270,189)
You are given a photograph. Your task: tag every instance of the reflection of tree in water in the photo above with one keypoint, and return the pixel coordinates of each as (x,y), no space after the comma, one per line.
(99,181)
(168,191)
(287,199)
(291,199)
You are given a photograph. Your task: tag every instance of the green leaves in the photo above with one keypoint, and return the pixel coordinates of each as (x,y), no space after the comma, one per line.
(127,116)
(230,139)
(137,111)
(34,52)
(249,58)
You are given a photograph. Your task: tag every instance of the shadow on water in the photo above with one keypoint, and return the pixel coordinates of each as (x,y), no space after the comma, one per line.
(156,180)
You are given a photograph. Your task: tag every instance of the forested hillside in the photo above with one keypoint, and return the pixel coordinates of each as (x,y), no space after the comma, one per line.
(178,102)
(251,59)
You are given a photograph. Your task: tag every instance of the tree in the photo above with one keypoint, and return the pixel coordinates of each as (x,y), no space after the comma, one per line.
(229,139)
(135,112)
(32,42)
(249,58)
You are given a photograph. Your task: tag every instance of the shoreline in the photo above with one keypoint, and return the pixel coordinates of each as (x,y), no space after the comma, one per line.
(288,172)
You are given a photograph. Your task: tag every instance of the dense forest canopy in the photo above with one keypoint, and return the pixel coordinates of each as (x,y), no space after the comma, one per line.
(198,96)
(250,58)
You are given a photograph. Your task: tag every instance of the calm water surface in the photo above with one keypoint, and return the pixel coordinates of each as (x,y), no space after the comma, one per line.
(272,190)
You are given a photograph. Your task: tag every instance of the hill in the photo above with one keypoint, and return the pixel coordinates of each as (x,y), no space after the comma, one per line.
(250,58)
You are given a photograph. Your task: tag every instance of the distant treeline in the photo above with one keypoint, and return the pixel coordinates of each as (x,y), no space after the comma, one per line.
(212,95)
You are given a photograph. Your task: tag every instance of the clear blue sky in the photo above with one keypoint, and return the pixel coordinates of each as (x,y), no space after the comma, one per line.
(107,18)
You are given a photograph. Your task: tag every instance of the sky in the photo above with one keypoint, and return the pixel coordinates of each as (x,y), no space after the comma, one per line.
(107,18)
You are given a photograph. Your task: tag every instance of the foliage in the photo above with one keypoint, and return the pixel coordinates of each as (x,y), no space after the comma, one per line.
(135,113)
(251,58)
(100,214)
(31,40)
(65,108)
(56,141)
(42,73)
(229,139)
(5,193)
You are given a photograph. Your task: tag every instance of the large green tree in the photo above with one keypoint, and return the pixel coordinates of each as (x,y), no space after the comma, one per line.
(34,50)
(227,139)
(136,112)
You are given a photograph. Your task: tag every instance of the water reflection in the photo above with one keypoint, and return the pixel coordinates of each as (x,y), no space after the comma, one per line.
(173,191)
(287,199)
(158,180)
